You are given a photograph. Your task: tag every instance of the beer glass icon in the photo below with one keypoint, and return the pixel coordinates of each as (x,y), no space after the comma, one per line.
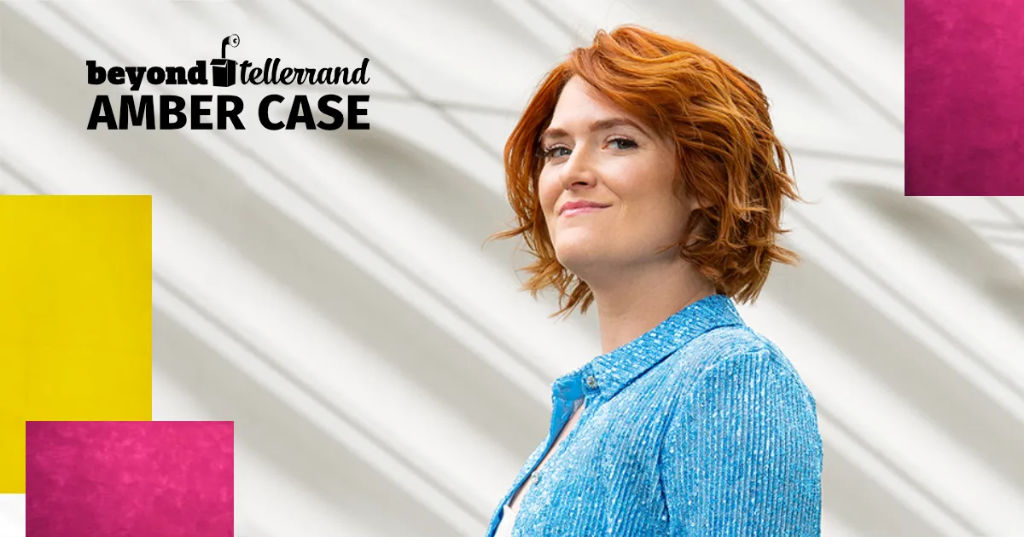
(223,68)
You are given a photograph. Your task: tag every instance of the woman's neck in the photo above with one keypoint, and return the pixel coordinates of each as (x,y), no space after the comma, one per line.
(637,300)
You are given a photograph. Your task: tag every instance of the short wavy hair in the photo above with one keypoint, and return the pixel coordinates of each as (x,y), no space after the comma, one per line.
(725,147)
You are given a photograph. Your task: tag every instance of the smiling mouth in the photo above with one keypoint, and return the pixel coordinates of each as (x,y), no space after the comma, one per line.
(580,210)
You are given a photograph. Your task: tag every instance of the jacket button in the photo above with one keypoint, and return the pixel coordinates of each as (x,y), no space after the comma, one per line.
(591,381)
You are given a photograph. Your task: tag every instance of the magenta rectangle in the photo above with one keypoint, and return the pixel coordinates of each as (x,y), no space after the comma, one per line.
(964,105)
(129,478)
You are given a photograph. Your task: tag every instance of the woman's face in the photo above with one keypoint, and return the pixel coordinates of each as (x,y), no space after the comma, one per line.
(606,188)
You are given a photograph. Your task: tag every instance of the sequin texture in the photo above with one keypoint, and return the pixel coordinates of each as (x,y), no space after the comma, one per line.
(699,427)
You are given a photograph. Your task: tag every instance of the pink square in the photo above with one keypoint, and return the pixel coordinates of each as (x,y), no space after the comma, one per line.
(129,478)
(965,114)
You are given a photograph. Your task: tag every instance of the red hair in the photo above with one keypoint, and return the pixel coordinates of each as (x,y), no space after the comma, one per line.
(725,147)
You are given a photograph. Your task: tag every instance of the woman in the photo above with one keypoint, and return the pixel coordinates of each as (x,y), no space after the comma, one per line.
(644,179)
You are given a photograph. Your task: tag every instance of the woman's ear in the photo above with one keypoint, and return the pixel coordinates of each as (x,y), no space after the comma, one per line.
(692,200)
(696,202)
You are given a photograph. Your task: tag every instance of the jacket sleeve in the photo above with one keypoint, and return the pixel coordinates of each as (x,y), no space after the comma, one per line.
(742,453)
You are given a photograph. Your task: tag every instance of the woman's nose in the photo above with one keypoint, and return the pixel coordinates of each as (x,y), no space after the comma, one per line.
(579,169)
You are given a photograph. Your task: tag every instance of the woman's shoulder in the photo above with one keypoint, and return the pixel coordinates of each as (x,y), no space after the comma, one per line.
(734,377)
(721,351)
(727,343)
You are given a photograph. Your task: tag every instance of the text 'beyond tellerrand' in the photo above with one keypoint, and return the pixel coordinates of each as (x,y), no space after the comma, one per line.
(223,111)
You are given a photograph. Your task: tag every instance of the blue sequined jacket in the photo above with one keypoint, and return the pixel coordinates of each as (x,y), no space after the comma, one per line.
(700,427)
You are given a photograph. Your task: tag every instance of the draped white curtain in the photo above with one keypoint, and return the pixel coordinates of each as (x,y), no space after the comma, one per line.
(332,294)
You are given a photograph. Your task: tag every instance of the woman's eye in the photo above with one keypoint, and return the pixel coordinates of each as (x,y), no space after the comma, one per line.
(624,143)
(553,152)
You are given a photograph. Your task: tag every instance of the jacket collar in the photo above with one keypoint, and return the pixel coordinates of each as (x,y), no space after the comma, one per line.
(608,373)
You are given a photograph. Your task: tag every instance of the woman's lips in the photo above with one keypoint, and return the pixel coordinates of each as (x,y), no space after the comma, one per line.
(578,210)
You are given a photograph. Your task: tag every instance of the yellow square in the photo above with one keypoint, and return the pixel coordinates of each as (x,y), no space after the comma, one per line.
(75,315)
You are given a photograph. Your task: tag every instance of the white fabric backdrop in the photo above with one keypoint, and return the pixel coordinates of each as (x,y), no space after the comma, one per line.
(330,292)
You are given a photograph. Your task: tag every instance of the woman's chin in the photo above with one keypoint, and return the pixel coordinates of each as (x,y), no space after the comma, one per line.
(578,257)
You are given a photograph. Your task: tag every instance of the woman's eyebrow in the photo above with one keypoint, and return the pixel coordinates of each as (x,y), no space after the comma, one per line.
(601,124)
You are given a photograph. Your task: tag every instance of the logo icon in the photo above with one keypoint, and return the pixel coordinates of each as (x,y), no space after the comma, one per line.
(223,68)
